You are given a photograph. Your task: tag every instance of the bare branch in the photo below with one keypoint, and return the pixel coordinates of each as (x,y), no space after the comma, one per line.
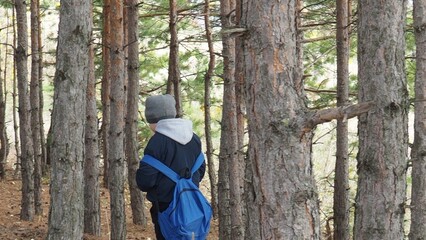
(344,112)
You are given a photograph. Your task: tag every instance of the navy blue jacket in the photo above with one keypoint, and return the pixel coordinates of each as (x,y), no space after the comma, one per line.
(179,157)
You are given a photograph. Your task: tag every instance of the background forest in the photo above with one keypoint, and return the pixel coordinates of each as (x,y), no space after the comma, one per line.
(311,113)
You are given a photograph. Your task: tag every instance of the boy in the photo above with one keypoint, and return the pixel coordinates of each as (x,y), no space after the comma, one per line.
(174,144)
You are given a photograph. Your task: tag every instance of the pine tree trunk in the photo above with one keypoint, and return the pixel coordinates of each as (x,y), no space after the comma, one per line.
(106,87)
(418,151)
(341,180)
(282,201)
(240,108)
(229,153)
(137,200)
(207,113)
(27,155)
(383,136)
(35,107)
(14,106)
(173,81)
(66,215)
(41,106)
(116,131)
(4,140)
(3,137)
(92,212)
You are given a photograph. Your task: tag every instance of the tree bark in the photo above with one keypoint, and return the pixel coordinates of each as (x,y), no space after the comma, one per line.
(92,212)
(27,155)
(106,88)
(66,215)
(383,135)
(3,137)
(41,105)
(173,81)
(116,130)
(132,156)
(14,106)
(341,180)
(232,224)
(35,107)
(418,151)
(282,201)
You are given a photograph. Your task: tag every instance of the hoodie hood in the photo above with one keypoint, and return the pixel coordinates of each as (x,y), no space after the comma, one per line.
(177,129)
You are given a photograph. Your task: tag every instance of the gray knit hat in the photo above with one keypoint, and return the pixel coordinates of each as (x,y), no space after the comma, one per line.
(160,107)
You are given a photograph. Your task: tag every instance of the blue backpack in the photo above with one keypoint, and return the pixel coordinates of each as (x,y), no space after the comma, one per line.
(188,215)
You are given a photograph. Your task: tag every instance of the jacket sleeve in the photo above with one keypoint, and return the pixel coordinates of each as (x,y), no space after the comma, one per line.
(146,177)
(202,170)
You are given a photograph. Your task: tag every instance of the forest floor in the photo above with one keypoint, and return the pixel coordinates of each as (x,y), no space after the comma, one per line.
(12,228)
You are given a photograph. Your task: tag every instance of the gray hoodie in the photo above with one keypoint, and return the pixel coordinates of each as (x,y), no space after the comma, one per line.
(177,129)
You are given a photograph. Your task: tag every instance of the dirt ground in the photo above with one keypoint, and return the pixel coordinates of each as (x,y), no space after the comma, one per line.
(11,227)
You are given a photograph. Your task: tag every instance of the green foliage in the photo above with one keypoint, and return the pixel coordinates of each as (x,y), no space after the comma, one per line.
(6,3)
(319,25)
(193,59)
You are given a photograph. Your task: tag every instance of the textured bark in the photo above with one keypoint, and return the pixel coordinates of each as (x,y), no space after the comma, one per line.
(341,179)
(230,218)
(137,200)
(240,107)
(207,113)
(4,140)
(173,81)
(66,215)
(27,155)
(3,137)
(116,131)
(35,107)
(282,199)
(106,89)
(14,106)
(418,151)
(41,105)
(383,136)
(92,212)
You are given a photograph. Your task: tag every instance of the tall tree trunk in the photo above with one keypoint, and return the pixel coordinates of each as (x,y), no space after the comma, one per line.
(116,130)
(35,105)
(418,151)
(4,141)
(207,113)
(14,106)
(27,155)
(66,215)
(232,226)
(41,105)
(92,212)
(383,136)
(282,202)
(173,81)
(3,138)
(132,155)
(341,179)
(106,89)
(240,104)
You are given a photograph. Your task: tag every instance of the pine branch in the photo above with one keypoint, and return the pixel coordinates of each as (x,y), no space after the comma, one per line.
(344,112)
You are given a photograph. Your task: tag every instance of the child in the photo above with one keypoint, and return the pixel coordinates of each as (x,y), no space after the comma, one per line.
(174,144)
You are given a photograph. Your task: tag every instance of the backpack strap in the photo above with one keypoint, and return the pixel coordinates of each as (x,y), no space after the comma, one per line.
(198,163)
(155,163)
